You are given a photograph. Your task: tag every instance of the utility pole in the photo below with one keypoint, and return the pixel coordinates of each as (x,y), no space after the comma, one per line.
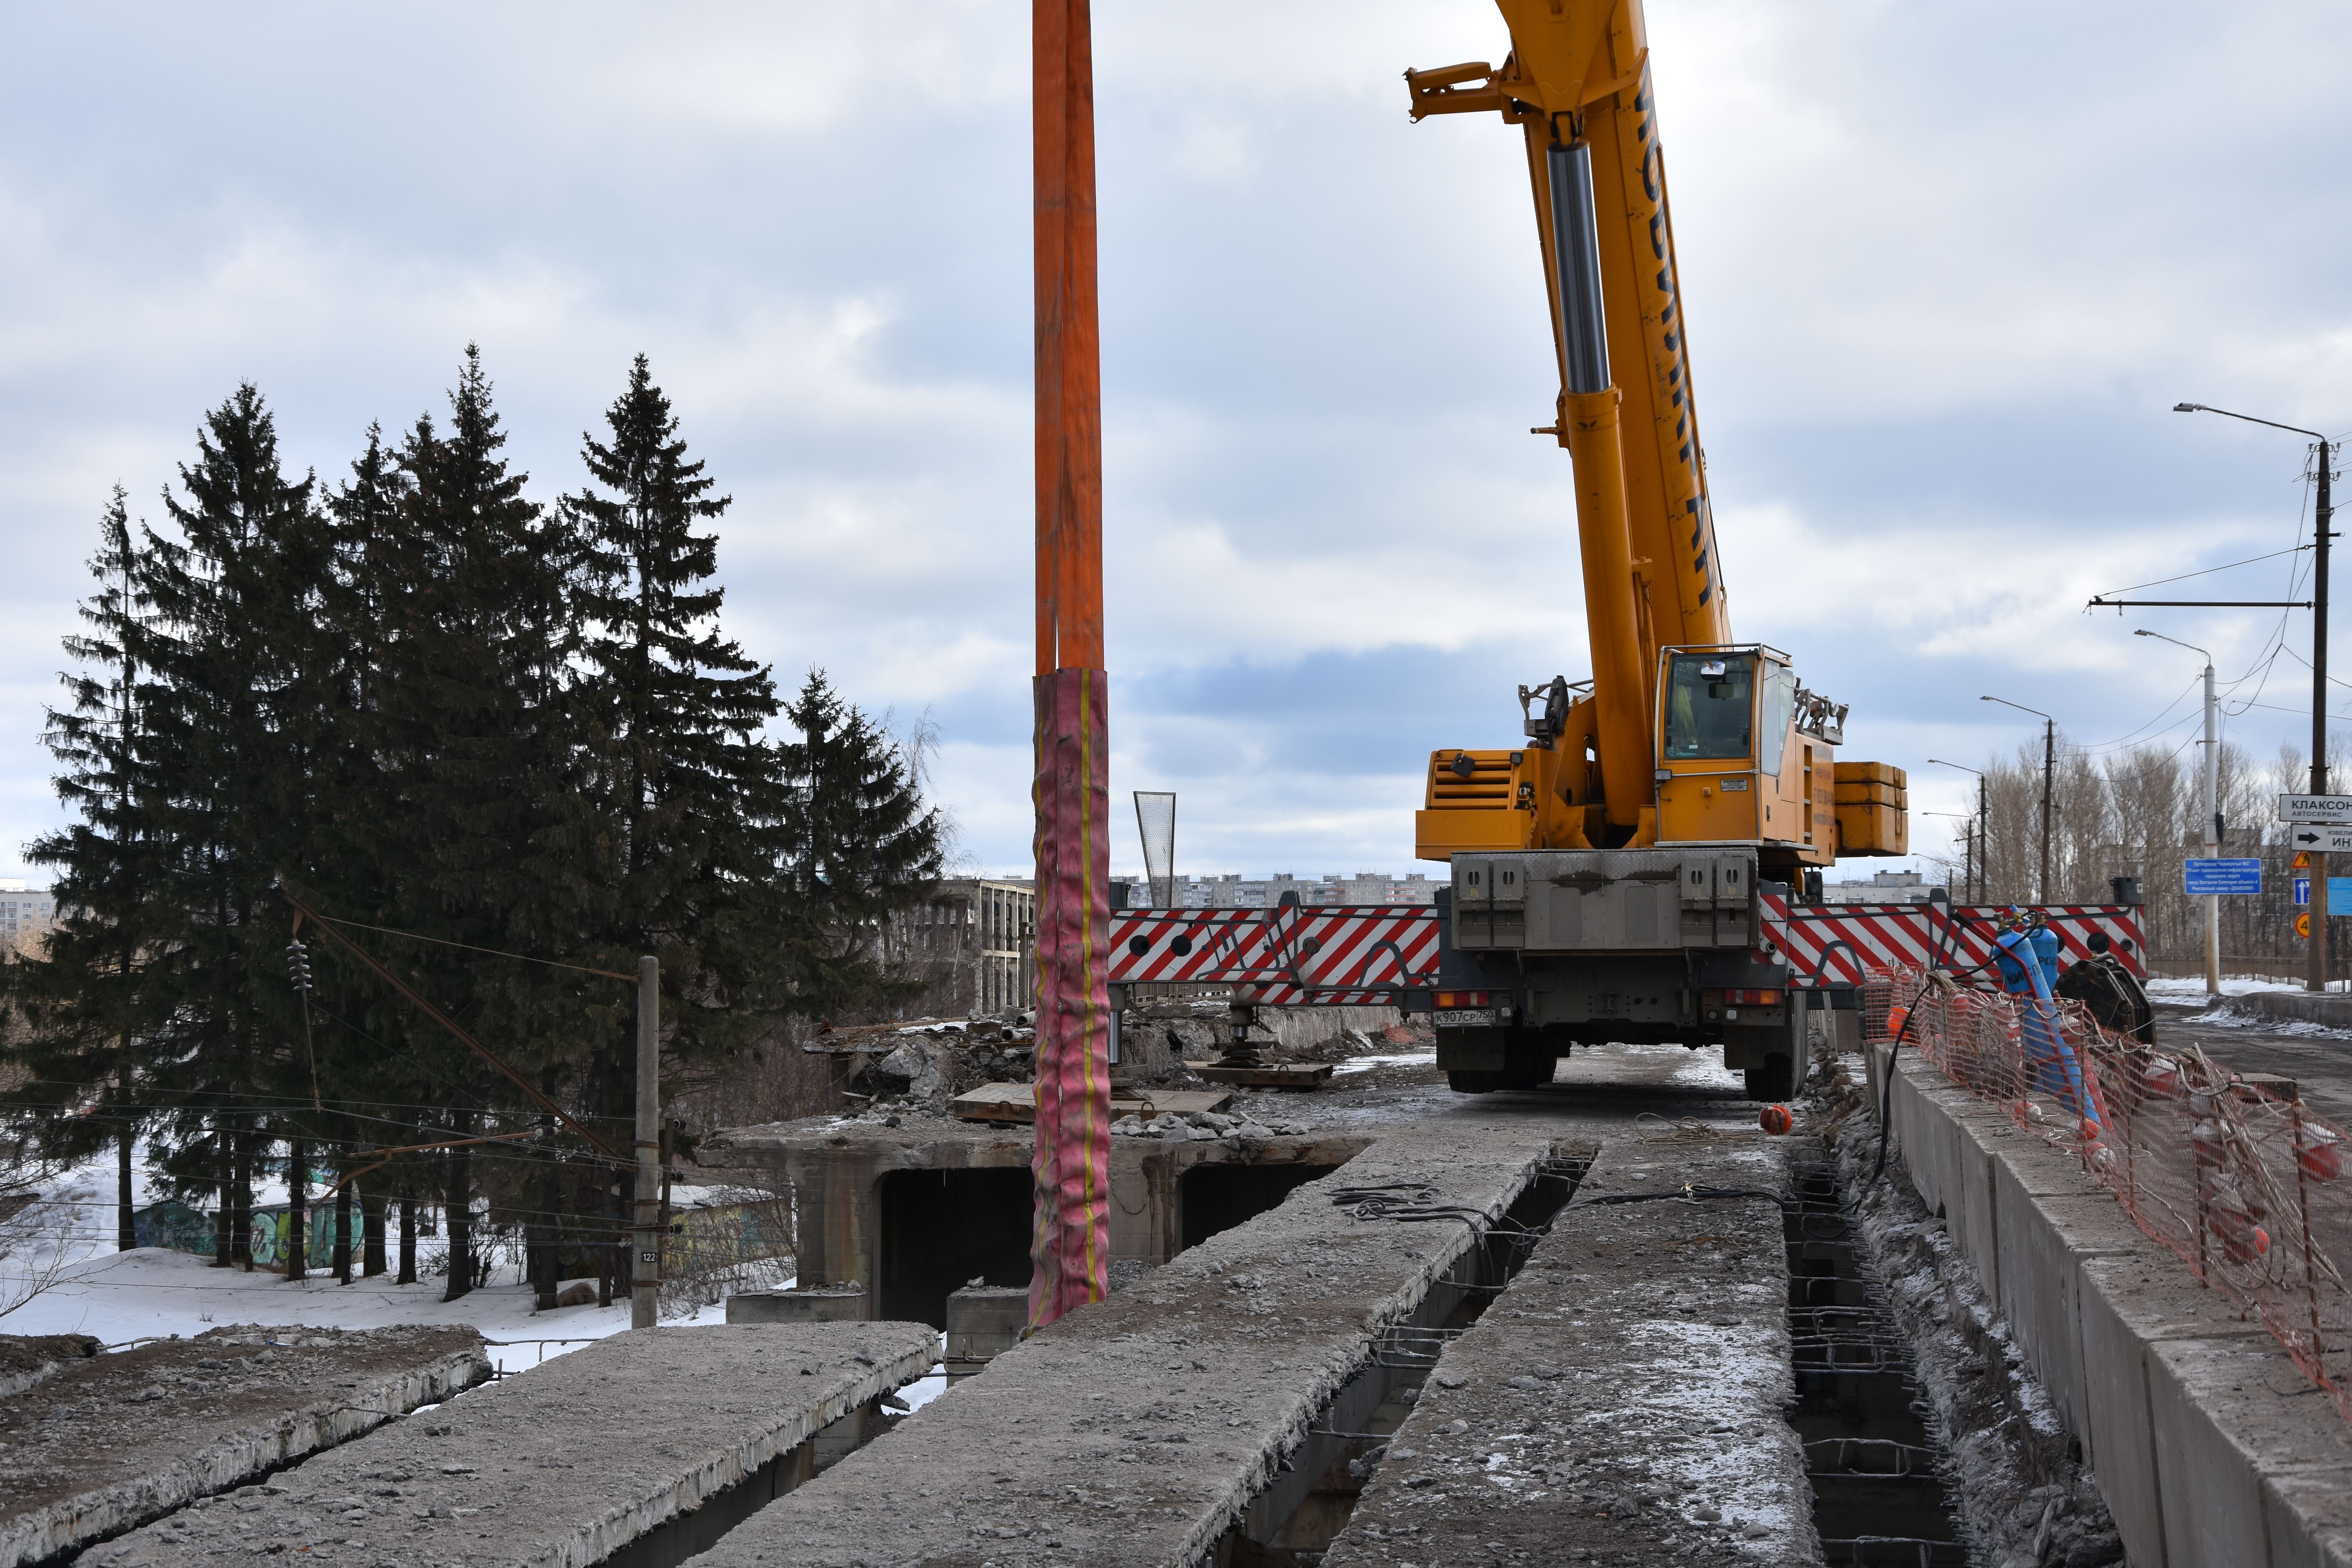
(1984,838)
(644,1277)
(2049,776)
(2049,783)
(1979,836)
(2212,815)
(2323,512)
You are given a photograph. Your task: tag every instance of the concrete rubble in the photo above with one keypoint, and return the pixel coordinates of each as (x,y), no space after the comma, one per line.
(1206,1126)
(1622,1401)
(915,1067)
(564,1464)
(110,1442)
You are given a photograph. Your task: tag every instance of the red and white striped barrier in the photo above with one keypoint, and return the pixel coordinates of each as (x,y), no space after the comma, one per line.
(1355,955)
(1324,956)
(1836,944)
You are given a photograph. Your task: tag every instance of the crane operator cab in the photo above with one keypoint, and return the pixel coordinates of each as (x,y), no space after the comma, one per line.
(1716,781)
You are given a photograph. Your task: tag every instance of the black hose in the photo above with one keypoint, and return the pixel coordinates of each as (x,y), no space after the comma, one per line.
(1886,1088)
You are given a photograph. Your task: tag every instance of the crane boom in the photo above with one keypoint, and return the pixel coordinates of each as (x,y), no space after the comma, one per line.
(1577,82)
(1607,872)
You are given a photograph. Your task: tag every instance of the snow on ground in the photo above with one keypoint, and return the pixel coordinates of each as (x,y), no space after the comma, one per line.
(154,1292)
(2178,988)
(1427,1059)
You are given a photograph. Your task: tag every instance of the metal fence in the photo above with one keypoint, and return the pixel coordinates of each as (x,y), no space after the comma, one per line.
(2235,1178)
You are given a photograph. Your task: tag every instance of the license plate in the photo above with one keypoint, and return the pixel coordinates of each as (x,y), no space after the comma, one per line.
(1464,1018)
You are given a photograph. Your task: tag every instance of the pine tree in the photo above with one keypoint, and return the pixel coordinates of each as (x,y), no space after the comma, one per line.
(860,849)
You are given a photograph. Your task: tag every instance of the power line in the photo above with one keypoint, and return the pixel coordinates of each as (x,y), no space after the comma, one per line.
(2206,570)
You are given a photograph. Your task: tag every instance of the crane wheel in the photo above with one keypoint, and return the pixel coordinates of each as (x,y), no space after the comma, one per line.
(1471,1080)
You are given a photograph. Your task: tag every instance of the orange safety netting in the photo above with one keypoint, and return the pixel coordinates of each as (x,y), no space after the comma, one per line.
(2243,1183)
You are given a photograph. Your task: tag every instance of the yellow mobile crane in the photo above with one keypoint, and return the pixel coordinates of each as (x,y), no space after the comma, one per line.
(1609,873)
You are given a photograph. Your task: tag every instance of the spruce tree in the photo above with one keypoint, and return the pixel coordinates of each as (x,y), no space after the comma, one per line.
(81,994)
(860,849)
(484,837)
(243,678)
(684,789)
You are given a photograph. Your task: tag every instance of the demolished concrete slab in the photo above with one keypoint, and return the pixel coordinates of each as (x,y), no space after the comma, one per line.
(913,1212)
(1141,1429)
(1623,1401)
(530,1470)
(106,1443)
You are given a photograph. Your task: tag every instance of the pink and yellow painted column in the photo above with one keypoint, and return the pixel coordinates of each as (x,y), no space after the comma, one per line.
(1070,1245)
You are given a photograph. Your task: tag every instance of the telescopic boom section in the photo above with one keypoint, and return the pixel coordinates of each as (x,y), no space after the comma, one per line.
(1578,83)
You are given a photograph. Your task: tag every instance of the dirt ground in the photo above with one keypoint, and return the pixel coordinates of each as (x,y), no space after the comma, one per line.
(109,1419)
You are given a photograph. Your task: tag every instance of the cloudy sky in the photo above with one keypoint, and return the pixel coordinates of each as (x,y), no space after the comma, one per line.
(1948,270)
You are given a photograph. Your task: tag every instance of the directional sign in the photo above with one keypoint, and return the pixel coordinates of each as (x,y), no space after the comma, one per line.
(2335,809)
(2339,894)
(2223,877)
(2310,835)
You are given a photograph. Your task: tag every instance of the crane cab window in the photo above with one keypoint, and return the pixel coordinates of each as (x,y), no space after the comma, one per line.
(1711,705)
(1779,712)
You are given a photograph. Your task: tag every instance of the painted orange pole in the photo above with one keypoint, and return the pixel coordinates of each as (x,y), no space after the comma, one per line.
(1069,344)
(1070,1245)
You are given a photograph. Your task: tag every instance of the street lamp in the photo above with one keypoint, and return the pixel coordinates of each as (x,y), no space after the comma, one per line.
(2049,776)
(2322,514)
(1984,824)
(2212,818)
(1968,838)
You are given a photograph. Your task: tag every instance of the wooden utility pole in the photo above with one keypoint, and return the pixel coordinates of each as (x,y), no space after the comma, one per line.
(644,1277)
(1070,1242)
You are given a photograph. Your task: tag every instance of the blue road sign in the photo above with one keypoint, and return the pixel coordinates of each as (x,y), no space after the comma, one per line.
(2226,876)
(2339,894)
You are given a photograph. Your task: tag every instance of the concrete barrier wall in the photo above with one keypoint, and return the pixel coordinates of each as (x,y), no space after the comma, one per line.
(2209,1445)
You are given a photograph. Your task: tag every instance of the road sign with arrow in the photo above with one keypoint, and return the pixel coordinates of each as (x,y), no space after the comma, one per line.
(2309,837)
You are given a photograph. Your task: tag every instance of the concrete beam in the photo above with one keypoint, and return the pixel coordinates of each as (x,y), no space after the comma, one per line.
(564,1464)
(2208,1445)
(104,1444)
(1624,1399)
(1138,1430)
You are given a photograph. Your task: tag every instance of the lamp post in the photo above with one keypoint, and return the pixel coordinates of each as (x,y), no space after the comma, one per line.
(1967,840)
(2049,776)
(2323,512)
(2212,818)
(1983,829)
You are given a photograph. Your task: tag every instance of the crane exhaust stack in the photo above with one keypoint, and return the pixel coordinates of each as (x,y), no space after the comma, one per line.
(1575,250)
